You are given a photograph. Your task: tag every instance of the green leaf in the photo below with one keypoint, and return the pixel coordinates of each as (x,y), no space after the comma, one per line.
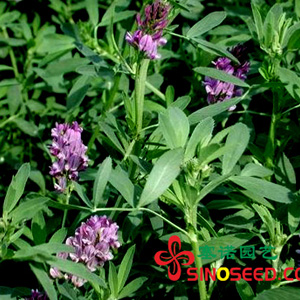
(244,289)
(78,91)
(291,81)
(181,102)
(125,267)
(266,218)
(201,135)
(294,216)
(93,11)
(213,110)
(44,279)
(264,188)
(9,17)
(294,40)
(59,236)
(132,287)
(28,209)
(63,44)
(113,280)
(258,21)
(77,269)
(215,49)
(120,181)
(67,291)
(101,180)
(238,139)
(14,97)
(116,17)
(287,170)
(7,293)
(5,68)
(79,189)
(252,169)
(207,23)
(41,253)
(234,240)
(112,136)
(58,68)
(220,75)
(27,127)
(211,186)
(170,94)
(91,55)
(279,294)
(38,178)
(175,127)
(16,188)
(164,172)
(38,228)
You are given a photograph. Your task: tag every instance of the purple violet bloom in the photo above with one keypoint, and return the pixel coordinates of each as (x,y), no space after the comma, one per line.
(92,243)
(219,91)
(70,152)
(36,295)
(148,36)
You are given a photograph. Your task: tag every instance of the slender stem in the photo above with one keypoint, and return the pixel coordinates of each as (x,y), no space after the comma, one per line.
(288,282)
(252,112)
(270,148)
(165,219)
(129,149)
(290,109)
(192,218)
(64,218)
(10,119)
(141,209)
(149,127)
(113,92)
(140,80)
(155,91)
(12,55)
(68,195)
(198,262)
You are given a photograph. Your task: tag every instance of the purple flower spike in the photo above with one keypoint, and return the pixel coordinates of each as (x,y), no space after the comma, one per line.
(70,152)
(219,91)
(150,30)
(92,243)
(36,295)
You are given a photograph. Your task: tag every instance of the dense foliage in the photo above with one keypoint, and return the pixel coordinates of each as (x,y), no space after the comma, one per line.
(124,123)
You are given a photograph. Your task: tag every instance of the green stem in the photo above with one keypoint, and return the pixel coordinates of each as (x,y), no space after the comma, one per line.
(12,55)
(113,92)
(156,91)
(68,195)
(270,148)
(198,262)
(142,209)
(192,219)
(140,80)
(10,119)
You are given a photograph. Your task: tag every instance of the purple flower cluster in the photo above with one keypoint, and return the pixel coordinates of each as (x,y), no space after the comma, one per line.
(36,295)
(92,243)
(219,91)
(148,36)
(69,150)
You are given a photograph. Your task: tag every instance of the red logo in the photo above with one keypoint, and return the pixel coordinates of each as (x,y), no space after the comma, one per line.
(170,258)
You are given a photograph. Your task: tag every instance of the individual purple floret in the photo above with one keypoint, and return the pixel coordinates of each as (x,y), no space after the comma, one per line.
(219,91)
(36,295)
(70,153)
(92,243)
(148,36)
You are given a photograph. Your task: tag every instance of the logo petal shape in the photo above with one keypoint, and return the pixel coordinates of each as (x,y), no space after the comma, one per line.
(163,258)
